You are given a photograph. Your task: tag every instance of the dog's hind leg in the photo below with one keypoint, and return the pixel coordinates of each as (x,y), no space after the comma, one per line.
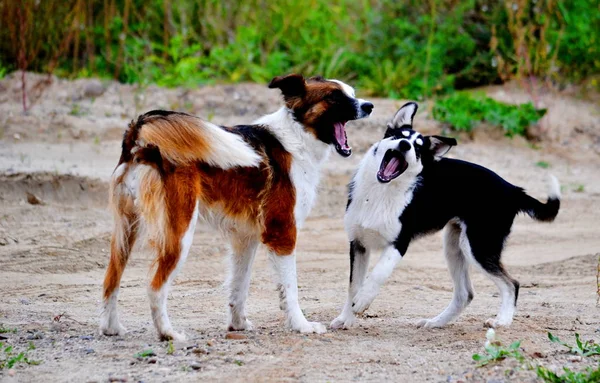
(243,251)
(359,264)
(485,247)
(169,207)
(459,270)
(123,238)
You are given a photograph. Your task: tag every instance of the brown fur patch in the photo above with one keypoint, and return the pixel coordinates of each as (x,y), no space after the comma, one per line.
(179,136)
(262,197)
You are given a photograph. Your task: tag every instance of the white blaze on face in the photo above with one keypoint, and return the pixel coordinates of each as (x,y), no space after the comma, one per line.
(345,87)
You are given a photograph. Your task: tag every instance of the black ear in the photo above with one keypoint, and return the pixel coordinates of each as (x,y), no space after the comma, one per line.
(439,146)
(404,115)
(290,85)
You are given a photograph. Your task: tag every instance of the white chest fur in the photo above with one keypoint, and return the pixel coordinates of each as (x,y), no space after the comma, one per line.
(308,156)
(373,217)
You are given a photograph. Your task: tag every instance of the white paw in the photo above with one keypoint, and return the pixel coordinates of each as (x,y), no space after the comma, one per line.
(430,323)
(310,328)
(495,323)
(363,299)
(172,335)
(343,322)
(245,325)
(113,330)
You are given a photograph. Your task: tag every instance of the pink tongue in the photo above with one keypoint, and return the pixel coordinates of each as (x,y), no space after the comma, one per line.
(340,135)
(391,167)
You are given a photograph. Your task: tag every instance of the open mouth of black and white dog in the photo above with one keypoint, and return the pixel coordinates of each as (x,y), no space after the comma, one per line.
(341,140)
(392,166)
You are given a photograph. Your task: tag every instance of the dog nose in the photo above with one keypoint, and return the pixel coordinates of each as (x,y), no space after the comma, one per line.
(367,107)
(404,146)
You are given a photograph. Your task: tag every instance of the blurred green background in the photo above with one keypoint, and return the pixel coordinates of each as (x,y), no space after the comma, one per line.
(399,49)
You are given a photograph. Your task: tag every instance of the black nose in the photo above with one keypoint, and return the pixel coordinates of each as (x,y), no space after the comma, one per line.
(367,107)
(404,146)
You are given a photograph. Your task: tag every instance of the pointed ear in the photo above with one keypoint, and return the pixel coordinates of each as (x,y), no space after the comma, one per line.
(290,85)
(439,146)
(404,115)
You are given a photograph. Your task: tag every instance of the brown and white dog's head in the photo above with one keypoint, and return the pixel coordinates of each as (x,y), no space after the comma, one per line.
(323,107)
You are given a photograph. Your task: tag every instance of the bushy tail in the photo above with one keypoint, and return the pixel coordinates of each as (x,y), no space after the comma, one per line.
(182,139)
(540,211)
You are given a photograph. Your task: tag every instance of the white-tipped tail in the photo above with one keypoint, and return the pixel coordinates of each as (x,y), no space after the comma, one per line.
(553,187)
(183,139)
(228,150)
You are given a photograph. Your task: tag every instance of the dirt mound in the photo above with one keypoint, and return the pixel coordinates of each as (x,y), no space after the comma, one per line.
(43,188)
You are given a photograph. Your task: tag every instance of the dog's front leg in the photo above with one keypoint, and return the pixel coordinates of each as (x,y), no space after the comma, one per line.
(285,267)
(359,264)
(381,272)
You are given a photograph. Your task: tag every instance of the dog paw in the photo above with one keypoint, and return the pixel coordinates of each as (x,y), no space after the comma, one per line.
(495,323)
(245,325)
(172,335)
(363,300)
(310,328)
(113,330)
(343,322)
(429,323)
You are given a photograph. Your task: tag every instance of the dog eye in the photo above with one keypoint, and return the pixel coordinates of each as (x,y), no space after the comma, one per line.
(336,95)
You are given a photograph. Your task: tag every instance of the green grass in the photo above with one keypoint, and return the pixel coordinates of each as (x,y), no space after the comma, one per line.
(495,351)
(587,348)
(6,330)
(464,111)
(145,354)
(542,164)
(10,358)
(591,375)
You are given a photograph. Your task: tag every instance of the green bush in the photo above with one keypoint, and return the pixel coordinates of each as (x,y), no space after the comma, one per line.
(462,111)
(392,48)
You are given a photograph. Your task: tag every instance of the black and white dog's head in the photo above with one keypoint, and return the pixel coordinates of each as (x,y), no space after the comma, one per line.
(404,152)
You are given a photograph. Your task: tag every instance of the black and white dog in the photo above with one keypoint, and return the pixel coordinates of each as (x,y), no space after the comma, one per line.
(404,189)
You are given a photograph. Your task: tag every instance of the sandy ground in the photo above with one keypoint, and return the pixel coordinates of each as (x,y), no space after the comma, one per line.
(53,254)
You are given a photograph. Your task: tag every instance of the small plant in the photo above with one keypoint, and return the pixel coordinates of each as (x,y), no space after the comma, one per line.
(6,330)
(145,354)
(8,357)
(76,110)
(542,164)
(590,376)
(579,188)
(496,352)
(238,362)
(170,348)
(464,110)
(588,348)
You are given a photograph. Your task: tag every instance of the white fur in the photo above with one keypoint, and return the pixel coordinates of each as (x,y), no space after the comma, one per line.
(345,87)
(553,187)
(227,150)
(241,258)
(458,264)
(285,266)
(372,217)
(109,318)
(158,299)
(404,115)
(308,156)
(381,272)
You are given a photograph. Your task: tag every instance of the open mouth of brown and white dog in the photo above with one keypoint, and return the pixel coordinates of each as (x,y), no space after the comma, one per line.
(392,166)
(341,140)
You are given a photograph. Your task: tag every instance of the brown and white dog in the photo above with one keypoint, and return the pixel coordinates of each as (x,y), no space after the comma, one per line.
(256,183)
